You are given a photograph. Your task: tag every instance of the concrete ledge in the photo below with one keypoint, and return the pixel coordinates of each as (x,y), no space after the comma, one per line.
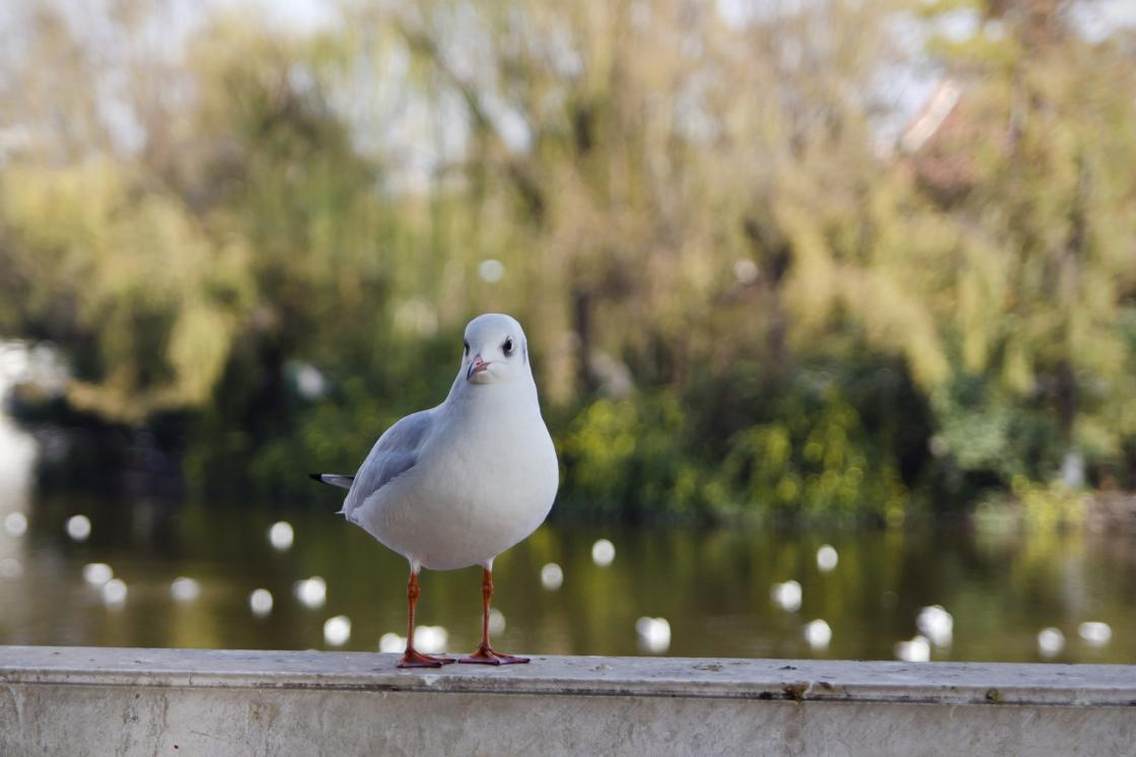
(60,700)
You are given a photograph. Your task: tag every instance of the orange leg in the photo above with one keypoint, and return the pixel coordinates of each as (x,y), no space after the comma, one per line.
(412,658)
(485,653)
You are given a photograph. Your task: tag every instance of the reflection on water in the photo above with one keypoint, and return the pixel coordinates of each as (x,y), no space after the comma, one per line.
(248,577)
(18,451)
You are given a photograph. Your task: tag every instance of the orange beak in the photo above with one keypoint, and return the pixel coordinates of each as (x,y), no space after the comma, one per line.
(477,365)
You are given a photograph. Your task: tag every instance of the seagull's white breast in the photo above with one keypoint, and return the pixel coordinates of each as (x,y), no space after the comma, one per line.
(485,479)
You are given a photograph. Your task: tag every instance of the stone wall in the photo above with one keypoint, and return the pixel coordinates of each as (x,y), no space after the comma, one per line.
(83,701)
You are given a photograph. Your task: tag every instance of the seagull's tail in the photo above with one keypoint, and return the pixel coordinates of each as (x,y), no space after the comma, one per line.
(341,480)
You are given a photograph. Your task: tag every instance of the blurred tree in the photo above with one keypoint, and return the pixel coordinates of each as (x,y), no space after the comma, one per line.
(1043,292)
(742,299)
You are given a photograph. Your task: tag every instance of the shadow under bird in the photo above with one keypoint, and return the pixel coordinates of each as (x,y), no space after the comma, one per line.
(458,484)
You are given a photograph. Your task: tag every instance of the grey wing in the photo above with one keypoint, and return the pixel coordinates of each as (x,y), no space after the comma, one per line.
(394,453)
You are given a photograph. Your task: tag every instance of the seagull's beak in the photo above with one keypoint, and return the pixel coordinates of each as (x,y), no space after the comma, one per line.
(476,366)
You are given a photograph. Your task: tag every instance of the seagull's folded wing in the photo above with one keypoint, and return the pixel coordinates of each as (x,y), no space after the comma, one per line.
(394,453)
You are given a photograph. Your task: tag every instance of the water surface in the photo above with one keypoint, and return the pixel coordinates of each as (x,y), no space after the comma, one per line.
(712,586)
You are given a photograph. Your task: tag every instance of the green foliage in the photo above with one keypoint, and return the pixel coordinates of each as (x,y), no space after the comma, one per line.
(1042,507)
(804,454)
(147,297)
(815,459)
(740,303)
(633,458)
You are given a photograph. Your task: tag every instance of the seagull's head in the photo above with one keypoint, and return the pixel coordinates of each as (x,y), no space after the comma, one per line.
(494,350)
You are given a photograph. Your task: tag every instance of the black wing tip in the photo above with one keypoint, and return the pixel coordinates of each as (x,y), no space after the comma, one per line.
(341,480)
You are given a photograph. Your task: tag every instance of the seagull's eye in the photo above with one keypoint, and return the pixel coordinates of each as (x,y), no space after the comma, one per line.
(507,347)
(465,348)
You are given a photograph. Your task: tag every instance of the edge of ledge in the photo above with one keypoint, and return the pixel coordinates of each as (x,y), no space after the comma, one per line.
(783,680)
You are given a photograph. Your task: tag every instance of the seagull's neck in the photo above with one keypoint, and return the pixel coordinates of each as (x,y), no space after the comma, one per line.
(512,398)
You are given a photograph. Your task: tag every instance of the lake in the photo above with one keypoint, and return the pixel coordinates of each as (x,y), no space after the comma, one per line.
(716,589)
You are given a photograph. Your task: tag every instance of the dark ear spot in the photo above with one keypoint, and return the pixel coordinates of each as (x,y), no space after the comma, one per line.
(525,351)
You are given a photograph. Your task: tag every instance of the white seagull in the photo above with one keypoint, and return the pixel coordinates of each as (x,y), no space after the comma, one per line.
(458,484)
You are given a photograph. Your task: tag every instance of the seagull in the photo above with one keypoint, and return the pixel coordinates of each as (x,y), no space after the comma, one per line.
(458,484)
